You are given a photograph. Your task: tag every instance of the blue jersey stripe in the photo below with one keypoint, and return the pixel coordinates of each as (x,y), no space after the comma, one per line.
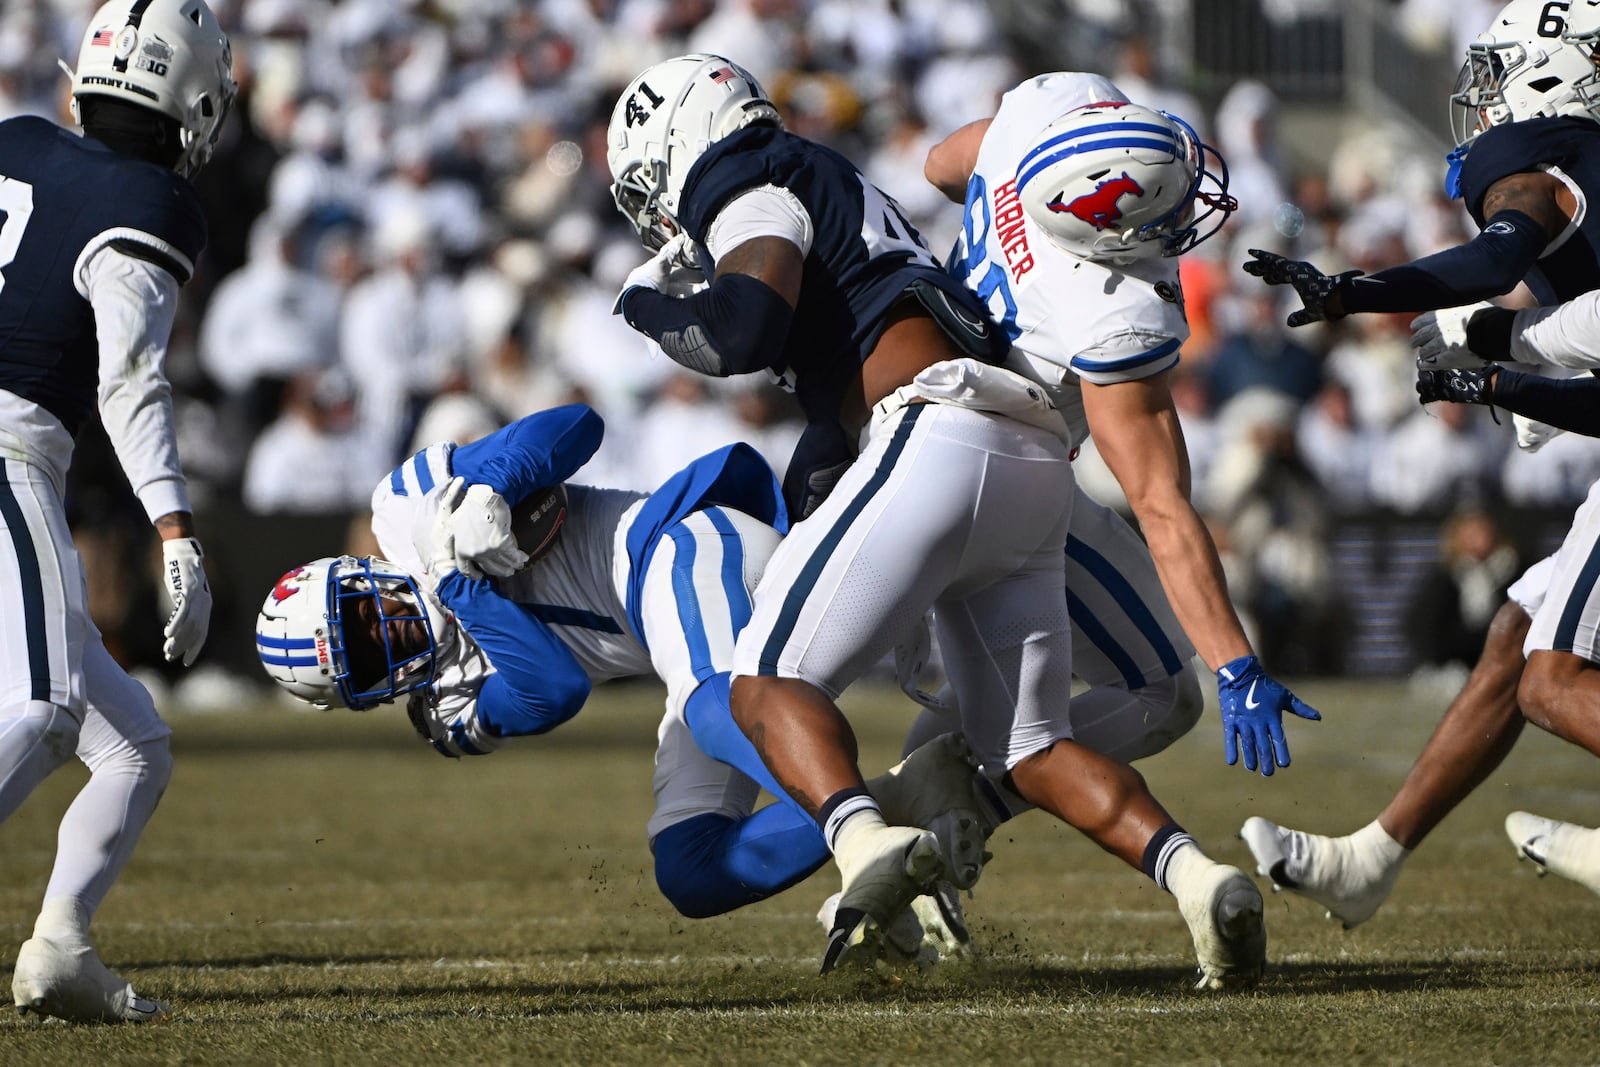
(33,613)
(1137,360)
(806,581)
(424,474)
(1127,598)
(1083,619)
(556,615)
(1572,613)
(397,481)
(732,569)
(690,617)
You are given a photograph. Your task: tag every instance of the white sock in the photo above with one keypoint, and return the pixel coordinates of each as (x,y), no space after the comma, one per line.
(847,832)
(1372,845)
(1184,867)
(64,920)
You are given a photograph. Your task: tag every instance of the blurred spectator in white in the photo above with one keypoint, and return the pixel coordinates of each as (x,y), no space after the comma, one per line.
(312,178)
(965,80)
(685,420)
(267,323)
(400,334)
(1447,618)
(1247,137)
(1277,518)
(1201,435)
(759,35)
(1338,449)
(502,302)
(459,416)
(1445,25)
(1374,360)
(310,460)
(894,164)
(1438,457)
(1138,73)
(452,207)
(1558,475)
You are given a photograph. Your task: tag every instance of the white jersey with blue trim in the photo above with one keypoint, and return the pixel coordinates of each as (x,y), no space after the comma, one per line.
(1068,317)
(577,588)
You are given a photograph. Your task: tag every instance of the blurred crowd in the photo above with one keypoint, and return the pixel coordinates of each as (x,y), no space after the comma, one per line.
(412,239)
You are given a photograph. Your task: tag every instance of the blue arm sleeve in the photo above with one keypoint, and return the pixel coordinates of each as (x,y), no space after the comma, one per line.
(1566,403)
(735,325)
(538,683)
(1489,265)
(541,450)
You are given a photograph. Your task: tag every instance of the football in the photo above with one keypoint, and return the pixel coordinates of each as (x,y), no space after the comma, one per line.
(537,521)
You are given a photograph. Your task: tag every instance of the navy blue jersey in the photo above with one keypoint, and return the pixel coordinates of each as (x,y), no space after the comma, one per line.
(60,195)
(1573,146)
(864,255)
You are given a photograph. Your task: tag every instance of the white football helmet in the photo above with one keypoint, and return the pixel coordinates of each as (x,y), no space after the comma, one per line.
(167,55)
(665,120)
(347,630)
(1120,181)
(1536,60)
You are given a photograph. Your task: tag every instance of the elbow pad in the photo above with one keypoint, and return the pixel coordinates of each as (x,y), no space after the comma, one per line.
(736,325)
(1489,265)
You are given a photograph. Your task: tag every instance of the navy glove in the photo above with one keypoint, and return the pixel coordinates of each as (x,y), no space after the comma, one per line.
(1463,385)
(1252,714)
(1313,286)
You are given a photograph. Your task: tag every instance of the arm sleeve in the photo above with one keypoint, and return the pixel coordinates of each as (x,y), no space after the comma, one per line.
(736,325)
(1489,265)
(538,684)
(134,302)
(1566,403)
(1564,336)
(541,450)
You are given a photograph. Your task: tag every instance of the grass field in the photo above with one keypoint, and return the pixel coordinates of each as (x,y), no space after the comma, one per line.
(322,888)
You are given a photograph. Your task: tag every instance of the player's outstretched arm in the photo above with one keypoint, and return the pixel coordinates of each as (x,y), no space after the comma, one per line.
(950,163)
(1135,427)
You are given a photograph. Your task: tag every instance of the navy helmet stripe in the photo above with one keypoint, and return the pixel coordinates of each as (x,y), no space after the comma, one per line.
(33,612)
(1127,598)
(794,602)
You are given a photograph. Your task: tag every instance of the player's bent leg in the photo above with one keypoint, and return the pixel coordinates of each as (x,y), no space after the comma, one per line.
(1351,876)
(1109,803)
(1560,693)
(35,739)
(1562,848)
(1132,724)
(710,864)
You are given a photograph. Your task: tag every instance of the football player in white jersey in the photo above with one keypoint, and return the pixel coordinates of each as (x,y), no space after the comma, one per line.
(486,643)
(1077,203)
(952,500)
(97,233)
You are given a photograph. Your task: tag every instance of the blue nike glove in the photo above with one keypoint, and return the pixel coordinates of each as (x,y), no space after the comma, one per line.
(1252,714)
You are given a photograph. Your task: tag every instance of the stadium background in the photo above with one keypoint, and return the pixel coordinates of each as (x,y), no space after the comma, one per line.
(411,239)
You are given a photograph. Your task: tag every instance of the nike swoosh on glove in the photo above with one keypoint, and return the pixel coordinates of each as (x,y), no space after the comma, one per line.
(1253,704)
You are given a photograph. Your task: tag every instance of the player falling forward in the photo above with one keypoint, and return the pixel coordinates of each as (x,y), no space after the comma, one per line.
(96,235)
(1529,164)
(959,499)
(486,644)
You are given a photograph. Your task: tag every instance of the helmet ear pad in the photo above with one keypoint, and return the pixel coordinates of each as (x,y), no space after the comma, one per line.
(663,122)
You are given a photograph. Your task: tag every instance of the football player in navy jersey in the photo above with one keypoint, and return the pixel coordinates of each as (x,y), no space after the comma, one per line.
(97,233)
(953,501)
(1527,166)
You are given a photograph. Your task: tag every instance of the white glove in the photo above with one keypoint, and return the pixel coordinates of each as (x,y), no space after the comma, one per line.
(484,543)
(442,549)
(184,575)
(1532,435)
(657,271)
(1440,338)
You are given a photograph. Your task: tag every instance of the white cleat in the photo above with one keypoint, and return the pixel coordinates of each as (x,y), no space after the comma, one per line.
(934,788)
(69,982)
(928,931)
(1562,848)
(1329,870)
(1229,930)
(881,877)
